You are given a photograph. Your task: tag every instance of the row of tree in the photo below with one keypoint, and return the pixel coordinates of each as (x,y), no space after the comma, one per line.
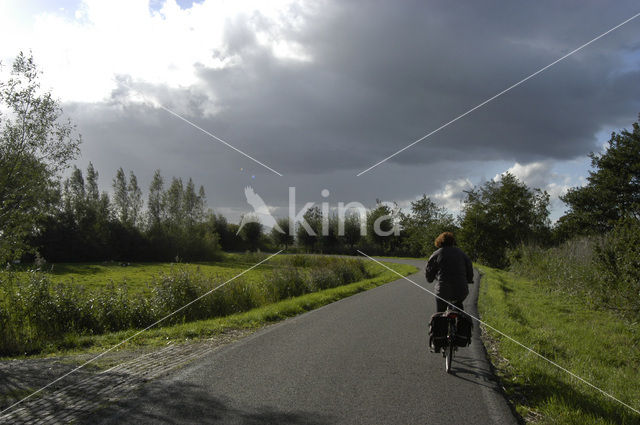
(84,224)
(496,218)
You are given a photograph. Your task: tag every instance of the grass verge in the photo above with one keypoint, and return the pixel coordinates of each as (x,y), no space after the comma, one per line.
(601,347)
(402,258)
(252,319)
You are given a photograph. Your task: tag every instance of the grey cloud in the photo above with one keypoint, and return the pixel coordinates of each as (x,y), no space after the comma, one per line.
(382,75)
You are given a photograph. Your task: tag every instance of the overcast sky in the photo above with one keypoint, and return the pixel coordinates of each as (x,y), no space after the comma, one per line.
(321,90)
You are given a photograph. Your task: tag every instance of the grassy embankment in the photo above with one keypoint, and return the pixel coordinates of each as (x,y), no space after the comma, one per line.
(599,345)
(96,306)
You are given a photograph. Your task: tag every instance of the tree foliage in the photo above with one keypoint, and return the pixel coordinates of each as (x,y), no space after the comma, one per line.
(381,222)
(134,195)
(156,212)
(308,238)
(36,144)
(284,238)
(612,191)
(173,200)
(88,226)
(352,230)
(251,233)
(422,225)
(501,215)
(121,196)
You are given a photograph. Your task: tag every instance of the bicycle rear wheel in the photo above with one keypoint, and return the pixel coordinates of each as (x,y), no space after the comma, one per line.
(450,347)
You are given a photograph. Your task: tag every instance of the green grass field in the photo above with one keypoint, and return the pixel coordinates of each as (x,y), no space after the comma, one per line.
(79,307)
(597,345)
(138,275)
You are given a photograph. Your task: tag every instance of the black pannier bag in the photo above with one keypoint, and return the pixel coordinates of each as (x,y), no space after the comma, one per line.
(438,330)
(464,325)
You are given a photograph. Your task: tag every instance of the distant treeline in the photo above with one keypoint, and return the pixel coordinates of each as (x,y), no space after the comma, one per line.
(85,224)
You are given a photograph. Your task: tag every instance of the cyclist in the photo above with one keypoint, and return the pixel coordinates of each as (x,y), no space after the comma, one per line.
(452,270)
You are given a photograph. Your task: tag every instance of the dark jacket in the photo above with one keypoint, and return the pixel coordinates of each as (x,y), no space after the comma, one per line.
(453,270)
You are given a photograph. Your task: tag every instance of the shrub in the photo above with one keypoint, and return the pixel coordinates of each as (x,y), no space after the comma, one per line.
(239,296)
(618,261)
(73,309)
(299,260)
(347,271)
(36,303)
(32,312)
(286,282)
(322,278)
(173,290)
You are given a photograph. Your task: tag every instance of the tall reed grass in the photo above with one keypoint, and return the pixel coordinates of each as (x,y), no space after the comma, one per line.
(604,270)
(35,312)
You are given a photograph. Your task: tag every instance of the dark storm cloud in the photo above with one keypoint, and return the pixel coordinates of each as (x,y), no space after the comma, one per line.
(382,74)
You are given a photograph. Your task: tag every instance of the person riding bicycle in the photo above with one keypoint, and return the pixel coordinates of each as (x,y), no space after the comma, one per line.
(452,270)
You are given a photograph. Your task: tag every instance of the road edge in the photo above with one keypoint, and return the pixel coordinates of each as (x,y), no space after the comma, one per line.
(486,340)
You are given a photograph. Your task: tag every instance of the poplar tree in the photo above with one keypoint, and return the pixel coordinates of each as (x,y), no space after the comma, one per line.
(121,196)
(134,195)
(156,202)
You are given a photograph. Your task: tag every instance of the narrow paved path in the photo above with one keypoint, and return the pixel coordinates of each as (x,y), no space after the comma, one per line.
(361,360)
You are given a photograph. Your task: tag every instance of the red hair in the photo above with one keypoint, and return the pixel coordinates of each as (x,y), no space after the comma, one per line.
(445,239)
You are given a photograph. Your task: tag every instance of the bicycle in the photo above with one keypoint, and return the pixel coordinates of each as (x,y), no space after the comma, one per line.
(449,330)
(450,347)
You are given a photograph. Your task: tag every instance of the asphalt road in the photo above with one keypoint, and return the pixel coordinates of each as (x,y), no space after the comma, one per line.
(361,360)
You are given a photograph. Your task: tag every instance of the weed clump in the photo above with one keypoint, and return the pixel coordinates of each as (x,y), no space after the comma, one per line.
(604,269)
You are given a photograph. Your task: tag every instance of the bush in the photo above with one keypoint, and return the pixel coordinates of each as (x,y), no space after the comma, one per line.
(239,296)
(299,260)
(72,309)
(173,290)
(322,278)
(286,282)
(618,261)
(346,271)
(32,312)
